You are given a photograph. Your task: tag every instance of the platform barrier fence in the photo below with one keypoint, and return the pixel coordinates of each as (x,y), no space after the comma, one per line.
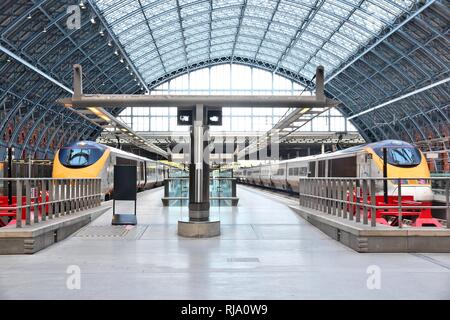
(363,200)
(33,200)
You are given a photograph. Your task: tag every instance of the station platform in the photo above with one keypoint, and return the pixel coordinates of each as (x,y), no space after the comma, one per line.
(266,251)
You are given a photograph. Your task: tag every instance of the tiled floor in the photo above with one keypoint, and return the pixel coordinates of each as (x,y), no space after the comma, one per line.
(265,252)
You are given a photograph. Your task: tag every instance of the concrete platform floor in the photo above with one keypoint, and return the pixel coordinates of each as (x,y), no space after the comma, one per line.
(265,251)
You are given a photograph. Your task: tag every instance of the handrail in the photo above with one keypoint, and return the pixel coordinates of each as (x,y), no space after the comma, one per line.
(362,198)
(376,178)
(45,179)
(47,198)
(187,178)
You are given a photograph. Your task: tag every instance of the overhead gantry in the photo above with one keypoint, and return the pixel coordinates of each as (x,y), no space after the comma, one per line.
(199,223)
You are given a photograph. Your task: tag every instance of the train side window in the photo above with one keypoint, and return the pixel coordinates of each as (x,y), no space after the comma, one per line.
(125,162)
(343,167)
(303,171)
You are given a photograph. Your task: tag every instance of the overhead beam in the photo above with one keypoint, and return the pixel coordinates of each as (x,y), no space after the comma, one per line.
(30,66)
(113,100)
(409,94)
(268,101)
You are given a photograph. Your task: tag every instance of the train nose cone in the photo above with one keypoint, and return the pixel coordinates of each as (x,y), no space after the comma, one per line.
(423,194)
(420,193)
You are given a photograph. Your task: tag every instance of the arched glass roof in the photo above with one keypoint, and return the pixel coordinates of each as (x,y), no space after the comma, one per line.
(386,61)
(163,36)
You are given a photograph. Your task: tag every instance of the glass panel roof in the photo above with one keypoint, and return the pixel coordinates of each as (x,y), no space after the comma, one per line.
(162,36)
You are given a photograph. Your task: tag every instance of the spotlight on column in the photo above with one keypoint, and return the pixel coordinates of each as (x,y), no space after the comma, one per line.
(214,116)
(185,116)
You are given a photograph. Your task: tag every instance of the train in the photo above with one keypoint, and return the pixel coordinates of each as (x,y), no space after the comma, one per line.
(404,160)
(88,159)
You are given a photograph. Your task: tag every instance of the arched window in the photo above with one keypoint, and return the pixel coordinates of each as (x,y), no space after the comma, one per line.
(230,79)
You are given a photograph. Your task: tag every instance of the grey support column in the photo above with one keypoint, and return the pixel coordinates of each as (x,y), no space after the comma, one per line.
(199,224)
(199,169)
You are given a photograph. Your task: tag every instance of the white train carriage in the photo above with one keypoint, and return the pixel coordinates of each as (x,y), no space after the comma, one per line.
(403,161)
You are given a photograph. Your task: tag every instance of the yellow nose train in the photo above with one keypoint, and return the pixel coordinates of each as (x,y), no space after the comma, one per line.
(403,161)
(88,159)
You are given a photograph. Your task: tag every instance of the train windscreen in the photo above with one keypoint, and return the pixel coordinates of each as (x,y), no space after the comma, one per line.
(79,157)
(401,156)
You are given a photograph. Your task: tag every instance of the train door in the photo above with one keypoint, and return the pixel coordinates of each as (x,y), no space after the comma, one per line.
(144,170)
(138,173)
(110,173)
(143,176)
(312,169)
(364,165)
(328,168)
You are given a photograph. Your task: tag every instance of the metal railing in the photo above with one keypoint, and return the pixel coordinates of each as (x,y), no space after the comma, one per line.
(38,199)
(359,199)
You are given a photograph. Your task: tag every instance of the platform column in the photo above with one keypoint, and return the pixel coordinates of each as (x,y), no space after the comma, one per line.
(199,224)
(199,169)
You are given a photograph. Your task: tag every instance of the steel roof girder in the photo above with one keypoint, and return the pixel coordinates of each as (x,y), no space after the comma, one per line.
(15,108)
(85,54)
(113,38)
(241,18)
(331,35)
(43,133)
(379,40)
